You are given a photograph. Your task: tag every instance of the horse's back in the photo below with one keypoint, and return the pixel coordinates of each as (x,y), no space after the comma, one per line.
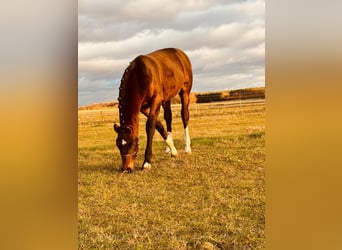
(169,70)
(172,57)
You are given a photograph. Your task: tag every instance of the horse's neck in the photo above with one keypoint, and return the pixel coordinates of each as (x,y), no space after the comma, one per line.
(133,122)
(129,101)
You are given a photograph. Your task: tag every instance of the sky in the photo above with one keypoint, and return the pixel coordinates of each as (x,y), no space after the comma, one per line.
(224,39)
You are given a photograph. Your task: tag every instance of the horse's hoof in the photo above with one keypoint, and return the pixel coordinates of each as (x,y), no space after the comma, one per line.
(188,152)
(174,155)
(146,166)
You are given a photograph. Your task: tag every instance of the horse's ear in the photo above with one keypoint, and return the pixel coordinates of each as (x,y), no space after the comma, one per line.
(116,128)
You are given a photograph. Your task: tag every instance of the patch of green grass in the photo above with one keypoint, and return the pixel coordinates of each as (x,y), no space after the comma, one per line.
(212,199)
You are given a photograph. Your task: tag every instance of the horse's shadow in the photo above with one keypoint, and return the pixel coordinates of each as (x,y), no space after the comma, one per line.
(108,166)
(112,168)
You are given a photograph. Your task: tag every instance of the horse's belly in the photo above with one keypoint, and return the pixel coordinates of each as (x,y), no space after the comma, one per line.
(170,90)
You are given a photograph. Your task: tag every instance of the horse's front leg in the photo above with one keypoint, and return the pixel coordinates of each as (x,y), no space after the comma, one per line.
(150,129)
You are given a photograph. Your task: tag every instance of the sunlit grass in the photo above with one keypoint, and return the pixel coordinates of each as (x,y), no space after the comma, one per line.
(212,199)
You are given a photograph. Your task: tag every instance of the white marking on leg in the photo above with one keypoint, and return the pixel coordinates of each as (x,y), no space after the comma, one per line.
(187,140)
(147,166)
(168,149)
(170,146)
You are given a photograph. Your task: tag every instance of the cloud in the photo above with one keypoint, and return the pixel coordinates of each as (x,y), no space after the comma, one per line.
(142,10)
(225,41)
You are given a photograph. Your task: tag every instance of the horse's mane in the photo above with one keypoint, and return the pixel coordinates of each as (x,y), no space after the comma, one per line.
(122,90)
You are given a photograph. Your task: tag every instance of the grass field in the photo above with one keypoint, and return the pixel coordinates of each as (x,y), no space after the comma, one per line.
(212,199)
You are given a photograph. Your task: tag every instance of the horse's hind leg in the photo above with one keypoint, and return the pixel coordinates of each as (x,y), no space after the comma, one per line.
(167,136)
(185,99)
(170,148)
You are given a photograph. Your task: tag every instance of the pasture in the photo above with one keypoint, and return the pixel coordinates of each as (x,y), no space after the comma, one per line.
(212,199)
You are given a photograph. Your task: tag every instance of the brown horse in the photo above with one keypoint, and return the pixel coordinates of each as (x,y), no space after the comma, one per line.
(149,82)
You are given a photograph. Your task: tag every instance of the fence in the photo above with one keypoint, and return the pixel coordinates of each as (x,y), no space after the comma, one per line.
(196,109)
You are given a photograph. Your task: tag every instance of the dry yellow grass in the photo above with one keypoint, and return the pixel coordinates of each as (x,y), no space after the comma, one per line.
(213,199)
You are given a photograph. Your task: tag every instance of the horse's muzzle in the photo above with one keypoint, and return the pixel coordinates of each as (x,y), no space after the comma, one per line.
(127,170)
(127,163)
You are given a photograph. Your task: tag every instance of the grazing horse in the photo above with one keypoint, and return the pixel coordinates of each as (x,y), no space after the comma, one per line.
(149,82)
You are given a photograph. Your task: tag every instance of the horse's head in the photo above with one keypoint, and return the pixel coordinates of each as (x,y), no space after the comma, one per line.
(128,146)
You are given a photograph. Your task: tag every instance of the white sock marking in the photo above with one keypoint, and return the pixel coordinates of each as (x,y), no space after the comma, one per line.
(147,165)
(187,140)
(170,146)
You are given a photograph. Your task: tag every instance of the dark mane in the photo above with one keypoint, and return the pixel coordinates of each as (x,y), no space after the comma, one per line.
(122,91)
